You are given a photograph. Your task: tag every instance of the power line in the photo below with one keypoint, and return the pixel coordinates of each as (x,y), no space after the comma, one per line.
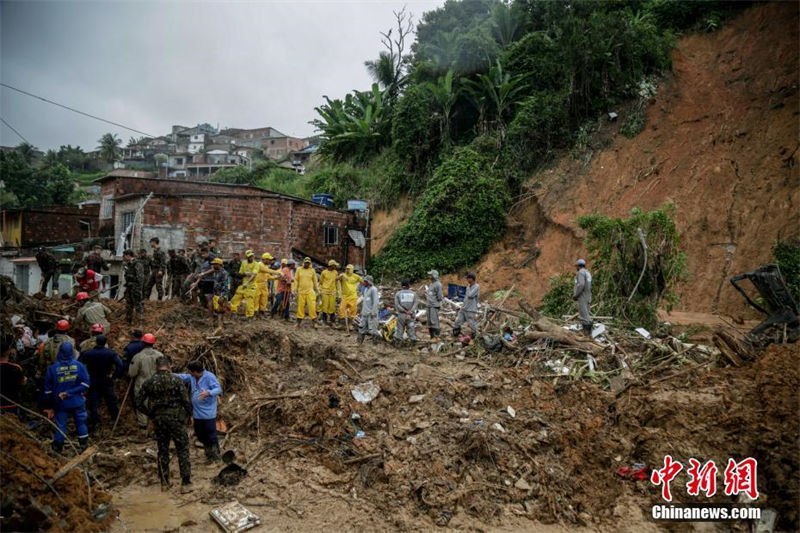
(75,110)
(15,131)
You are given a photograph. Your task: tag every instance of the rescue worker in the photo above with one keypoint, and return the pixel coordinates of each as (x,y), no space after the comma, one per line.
(133,273)
(88,344)
(133,347)
(204,390)
(95,261)
(469,311)
(142,368)
(582,294)
(177,270)
(163,398)
(92,312)
(246,293)
(65,384)
(306,286)
(349,282)
(213,248)
(217,299)
(49,266)
(283,298)
(264,275)
(369,312)
(88,281)
(433,301)
(103,365)
(233,272)
(12,379)
(331,290)
(49,350)
(158,265)
(405,304)
(146,271)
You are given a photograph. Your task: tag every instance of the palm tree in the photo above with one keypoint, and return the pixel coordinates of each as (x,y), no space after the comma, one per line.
(445,97)
(109,147)
(505,24)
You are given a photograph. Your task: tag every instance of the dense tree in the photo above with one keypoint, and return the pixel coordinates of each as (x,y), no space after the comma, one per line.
(27,186)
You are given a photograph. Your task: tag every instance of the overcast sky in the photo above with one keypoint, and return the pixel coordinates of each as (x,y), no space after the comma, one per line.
(149,65)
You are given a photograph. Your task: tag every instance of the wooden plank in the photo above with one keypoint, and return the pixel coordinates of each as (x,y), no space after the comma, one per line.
(72,463)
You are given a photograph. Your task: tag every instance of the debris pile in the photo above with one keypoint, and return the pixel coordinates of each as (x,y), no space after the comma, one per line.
(32,501)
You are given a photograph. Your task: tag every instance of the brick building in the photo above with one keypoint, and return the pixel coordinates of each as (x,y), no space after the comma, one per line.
(184,214)
(37,226)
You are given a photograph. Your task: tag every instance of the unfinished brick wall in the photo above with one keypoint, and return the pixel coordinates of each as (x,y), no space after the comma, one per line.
(58,224)
(238,217)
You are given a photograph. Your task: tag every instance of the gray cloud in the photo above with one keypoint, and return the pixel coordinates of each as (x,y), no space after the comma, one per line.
(149,65)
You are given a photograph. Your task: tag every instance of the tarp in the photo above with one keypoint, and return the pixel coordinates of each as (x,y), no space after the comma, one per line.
(358,237)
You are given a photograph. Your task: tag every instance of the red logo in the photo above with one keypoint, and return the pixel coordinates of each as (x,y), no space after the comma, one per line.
(741,477)
(664,476)
(702,478)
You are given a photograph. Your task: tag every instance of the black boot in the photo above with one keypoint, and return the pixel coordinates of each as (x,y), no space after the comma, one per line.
(456,332)
(83,443)
(376,340)
(57,447)
(587,330)
(360,339)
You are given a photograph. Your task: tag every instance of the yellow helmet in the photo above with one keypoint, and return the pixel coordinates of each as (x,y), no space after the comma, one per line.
(249,253)
(216,261)
(332,262)
(350,268)
(284,261)
(266,255)
(307,260)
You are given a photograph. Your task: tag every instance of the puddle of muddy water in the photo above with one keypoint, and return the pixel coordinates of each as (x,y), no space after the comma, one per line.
(148,509)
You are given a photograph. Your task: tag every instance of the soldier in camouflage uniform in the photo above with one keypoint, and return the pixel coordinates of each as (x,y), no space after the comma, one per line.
(145,262)
(133,273)
(158,265)
(164,399)
(177,268)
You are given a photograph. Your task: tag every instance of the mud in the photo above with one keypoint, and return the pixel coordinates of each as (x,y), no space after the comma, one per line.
(441,460)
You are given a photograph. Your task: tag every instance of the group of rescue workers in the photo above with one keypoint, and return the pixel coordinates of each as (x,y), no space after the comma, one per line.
(68,377)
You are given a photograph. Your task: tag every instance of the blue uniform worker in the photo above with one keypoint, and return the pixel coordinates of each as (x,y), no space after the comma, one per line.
(103,365)
(65,384)
(204,391)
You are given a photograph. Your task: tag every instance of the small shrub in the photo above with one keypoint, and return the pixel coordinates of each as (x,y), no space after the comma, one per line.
(558,300)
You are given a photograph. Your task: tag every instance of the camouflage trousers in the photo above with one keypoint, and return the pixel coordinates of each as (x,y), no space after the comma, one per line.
(157,282)
(133,303)
(172,428)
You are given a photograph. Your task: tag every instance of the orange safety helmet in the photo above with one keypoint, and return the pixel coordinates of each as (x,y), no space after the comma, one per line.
(149,338)
(62,325)
(98,328)
(81,296)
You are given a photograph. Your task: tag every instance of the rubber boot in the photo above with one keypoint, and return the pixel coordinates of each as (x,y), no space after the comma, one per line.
(376,340)
(587,330)
(83,443)
(360,339)
(57,447)
(186,486)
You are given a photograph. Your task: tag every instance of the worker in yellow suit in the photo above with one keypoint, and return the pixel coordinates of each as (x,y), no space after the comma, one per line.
(306,286)
(331,290)
(264,275)
(247,290)
(349,282)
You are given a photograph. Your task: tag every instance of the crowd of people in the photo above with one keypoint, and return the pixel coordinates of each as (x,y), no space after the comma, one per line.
(70,381)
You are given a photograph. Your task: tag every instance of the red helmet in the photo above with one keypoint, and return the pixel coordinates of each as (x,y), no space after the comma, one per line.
(81,296)
(62,325)
(149,338)
(90,273)
(98,328)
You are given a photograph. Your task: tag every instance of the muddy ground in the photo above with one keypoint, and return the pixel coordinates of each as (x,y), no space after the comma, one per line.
(440,449)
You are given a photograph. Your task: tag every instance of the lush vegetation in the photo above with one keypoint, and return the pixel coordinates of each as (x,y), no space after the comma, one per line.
(628,281)
(786,254)
(25,184)
(508,83)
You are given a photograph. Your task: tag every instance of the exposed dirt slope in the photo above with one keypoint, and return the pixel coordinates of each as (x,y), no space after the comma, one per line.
(721,143)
